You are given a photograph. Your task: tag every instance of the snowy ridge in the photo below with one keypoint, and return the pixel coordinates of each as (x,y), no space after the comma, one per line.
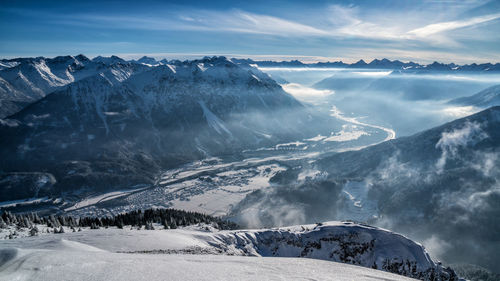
(365,247)
(338,241)
(25,80)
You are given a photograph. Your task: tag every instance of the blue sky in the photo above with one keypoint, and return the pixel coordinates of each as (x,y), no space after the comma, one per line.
(460,31)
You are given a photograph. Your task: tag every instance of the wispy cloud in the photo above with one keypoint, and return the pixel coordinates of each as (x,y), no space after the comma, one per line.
(254,23)
(236,21)
(342,22)
(452,25)
(348,22)
(422,31)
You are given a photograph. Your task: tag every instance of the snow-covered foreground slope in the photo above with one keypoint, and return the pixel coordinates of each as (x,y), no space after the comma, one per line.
(104,253)
(81,264)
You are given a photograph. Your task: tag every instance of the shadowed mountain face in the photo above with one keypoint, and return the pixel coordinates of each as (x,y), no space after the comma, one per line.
(440,186)
(98,133)
(485,98)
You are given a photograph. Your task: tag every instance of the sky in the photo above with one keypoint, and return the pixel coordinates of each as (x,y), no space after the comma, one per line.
(423,31)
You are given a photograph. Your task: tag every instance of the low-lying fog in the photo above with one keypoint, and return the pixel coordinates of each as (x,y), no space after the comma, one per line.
(407,103)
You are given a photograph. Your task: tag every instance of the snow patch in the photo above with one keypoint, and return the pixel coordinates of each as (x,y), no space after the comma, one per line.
(214,121)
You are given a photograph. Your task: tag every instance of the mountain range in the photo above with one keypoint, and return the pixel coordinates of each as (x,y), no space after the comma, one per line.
(409,67)
(25,80)
(120,126)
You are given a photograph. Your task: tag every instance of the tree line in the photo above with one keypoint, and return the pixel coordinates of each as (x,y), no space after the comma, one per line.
(168,218)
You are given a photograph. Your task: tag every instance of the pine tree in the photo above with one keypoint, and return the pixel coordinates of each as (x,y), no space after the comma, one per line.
(34,231)
(2,223)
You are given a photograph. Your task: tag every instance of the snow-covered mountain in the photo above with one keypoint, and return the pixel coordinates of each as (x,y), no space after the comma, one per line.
(108,60)
(339,242)
(26,80)
(147,60)
(485,98)
(410,67)
(103,131)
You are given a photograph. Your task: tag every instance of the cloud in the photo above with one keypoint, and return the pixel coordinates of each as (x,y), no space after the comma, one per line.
(348,21)
(437,247)
(303,92)
(255,23)
(416,31)
(341,22)
(234,20)
(440,27)
(450,142)
(290,204)
(460,111)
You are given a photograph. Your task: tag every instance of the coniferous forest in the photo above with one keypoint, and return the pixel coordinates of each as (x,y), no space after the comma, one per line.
(168,218)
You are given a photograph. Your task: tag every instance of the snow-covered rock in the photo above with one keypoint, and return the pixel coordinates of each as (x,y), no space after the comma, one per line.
(341,242)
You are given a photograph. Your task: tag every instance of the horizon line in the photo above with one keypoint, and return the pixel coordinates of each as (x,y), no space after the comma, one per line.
(305,59)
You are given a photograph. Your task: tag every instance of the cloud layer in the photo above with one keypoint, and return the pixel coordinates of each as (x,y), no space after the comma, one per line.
(417,30)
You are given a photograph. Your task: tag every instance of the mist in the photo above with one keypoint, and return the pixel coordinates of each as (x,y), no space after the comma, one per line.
(453,213)
(405,102)
(440,187)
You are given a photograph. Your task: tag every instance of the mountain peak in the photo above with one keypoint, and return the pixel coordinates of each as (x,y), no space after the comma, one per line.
(216,60)
(108,60)
(147,60)
(82,58)
(360,62)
